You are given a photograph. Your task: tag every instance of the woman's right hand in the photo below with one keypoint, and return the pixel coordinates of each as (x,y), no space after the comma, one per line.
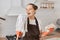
(19,34)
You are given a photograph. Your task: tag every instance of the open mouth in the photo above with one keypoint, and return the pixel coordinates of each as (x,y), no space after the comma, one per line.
(28,13)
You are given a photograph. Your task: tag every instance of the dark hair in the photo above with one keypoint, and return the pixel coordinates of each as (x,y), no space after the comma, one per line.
(34,6)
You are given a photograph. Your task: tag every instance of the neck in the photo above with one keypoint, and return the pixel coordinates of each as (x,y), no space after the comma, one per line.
(32,17)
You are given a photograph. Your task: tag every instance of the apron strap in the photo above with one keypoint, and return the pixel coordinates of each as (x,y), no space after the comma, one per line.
(35,21)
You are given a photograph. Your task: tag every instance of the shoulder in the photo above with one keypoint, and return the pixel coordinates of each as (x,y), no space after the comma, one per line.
(39,20)
(23,16)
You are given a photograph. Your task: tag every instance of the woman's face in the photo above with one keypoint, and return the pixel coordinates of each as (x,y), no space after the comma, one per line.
(30,10)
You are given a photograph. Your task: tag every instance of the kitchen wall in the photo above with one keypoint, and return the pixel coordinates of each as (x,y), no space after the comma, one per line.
(8,27)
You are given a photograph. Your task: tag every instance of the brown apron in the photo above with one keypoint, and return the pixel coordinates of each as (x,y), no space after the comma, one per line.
(33,31)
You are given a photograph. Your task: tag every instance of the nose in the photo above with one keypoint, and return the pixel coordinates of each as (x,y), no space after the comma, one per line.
(28,10)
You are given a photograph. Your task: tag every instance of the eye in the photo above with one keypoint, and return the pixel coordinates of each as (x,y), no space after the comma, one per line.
(31,9)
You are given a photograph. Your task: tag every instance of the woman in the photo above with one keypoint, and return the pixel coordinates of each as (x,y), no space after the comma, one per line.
(30,28)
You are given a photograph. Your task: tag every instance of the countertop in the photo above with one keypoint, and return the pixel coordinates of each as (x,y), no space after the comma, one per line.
(52,35)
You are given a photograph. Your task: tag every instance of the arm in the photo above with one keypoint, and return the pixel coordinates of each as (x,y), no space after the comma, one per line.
(20,25)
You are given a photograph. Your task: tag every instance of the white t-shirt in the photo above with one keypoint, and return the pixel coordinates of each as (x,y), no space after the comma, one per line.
(32,22)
